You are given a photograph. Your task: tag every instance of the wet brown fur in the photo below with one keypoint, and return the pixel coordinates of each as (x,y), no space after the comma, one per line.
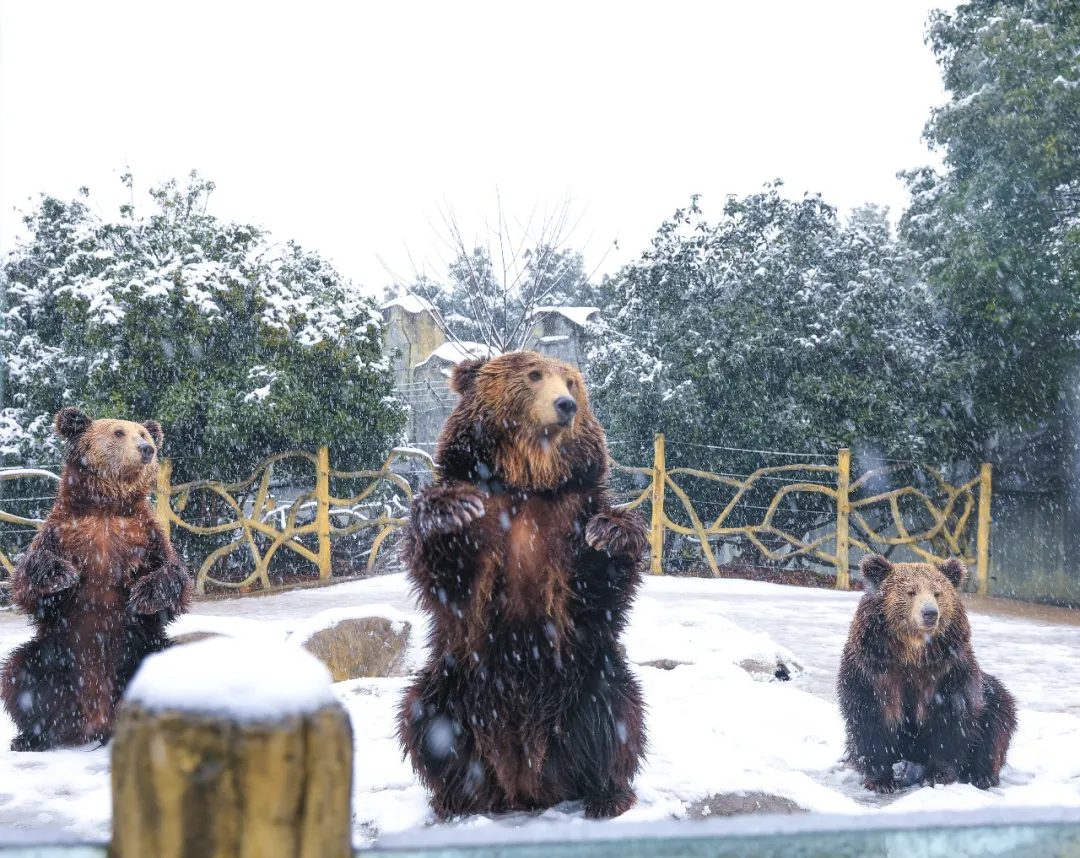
(909,686)
(101,581)
(527,571)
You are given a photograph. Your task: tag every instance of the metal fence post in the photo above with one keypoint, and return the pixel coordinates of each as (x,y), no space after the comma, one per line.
(843,517)
(656,539)
(982,536)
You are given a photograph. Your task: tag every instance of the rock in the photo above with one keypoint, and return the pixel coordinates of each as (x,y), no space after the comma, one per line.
(361,647)
(769,670)
(192,637)
(664,663)
(741,804)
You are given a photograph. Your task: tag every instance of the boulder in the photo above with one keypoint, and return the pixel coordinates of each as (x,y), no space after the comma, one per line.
(769,670)
(356,647)
(741,804)
(192,637)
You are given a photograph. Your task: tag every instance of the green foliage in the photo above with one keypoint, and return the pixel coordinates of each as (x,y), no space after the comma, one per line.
(780,328)
(239,346)
(999,229)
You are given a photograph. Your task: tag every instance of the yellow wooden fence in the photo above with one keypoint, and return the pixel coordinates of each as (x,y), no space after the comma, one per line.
(959,515)
(954,511)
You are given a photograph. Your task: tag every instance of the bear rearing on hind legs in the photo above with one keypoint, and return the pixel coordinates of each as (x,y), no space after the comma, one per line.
(100,580)
(528,573)
(916,706)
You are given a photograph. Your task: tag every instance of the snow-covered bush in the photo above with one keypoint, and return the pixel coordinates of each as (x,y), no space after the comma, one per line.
(777,327)
(240,346)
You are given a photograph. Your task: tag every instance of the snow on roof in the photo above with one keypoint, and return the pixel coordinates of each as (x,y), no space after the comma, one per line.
(578,315)
(411,304)
(252,680)
(457,352)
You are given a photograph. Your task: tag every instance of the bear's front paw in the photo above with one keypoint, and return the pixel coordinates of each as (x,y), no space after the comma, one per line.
(616,533)
(447,509)
(167,589)
(52,575)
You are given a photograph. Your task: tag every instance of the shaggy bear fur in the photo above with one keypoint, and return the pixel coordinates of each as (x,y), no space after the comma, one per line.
(528,572)
(100,580)
(916,705)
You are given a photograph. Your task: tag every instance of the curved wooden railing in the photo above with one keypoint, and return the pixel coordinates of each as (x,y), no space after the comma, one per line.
(959,516)
(327,517)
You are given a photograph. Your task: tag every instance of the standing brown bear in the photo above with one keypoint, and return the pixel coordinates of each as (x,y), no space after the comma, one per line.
(100,580)
(916,705)
(528,573)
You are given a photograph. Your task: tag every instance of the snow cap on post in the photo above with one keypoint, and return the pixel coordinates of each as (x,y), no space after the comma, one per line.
(234,678)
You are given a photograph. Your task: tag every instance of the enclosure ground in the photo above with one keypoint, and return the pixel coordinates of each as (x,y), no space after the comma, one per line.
(713,728)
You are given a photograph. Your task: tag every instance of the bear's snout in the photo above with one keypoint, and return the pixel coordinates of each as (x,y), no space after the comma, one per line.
(146,451)
(566,408)
(929,615)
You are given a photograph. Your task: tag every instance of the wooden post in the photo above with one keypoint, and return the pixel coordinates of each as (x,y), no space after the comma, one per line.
(232,780)
(164,493)
(322,510)
(982,536)
(656,535)
(843,520)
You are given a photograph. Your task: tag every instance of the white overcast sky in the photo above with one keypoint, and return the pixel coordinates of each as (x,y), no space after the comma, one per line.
(346,125)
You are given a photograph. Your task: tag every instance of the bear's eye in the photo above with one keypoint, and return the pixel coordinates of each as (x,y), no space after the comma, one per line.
(937,594)
(119,433)
(535,375)
(912,591)
(570,384)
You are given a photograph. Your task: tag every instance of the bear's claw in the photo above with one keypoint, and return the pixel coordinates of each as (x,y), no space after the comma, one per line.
(447,510)
(159,591)
(53,576)
(615,533)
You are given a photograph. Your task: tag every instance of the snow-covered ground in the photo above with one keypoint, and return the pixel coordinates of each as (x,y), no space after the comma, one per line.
(713,727)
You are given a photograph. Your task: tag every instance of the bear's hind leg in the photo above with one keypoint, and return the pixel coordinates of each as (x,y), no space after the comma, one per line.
(38,691)
(444,756)
(996,726)
(599,748)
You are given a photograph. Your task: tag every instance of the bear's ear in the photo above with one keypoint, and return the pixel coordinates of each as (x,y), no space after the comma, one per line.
(463,376)
(875,568)
(71,423)
(955,570)
(156,435)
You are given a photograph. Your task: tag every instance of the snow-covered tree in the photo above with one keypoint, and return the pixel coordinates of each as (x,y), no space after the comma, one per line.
(999,227)
(493,290)
(240,346)
(778,327)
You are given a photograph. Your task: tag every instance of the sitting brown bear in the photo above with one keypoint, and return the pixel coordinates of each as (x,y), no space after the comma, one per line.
(528,572)
(916,705)
(100,580)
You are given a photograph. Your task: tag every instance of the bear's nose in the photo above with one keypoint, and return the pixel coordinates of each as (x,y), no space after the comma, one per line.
(566,408)
(929,616)
(147,453)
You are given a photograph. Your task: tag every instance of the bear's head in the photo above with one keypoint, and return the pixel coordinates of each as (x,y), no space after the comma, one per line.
(522,420)
(109,459)
(919,600)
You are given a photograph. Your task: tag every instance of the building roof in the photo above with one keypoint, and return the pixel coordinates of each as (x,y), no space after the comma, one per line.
(457,352)
(411,304)
(578,315)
